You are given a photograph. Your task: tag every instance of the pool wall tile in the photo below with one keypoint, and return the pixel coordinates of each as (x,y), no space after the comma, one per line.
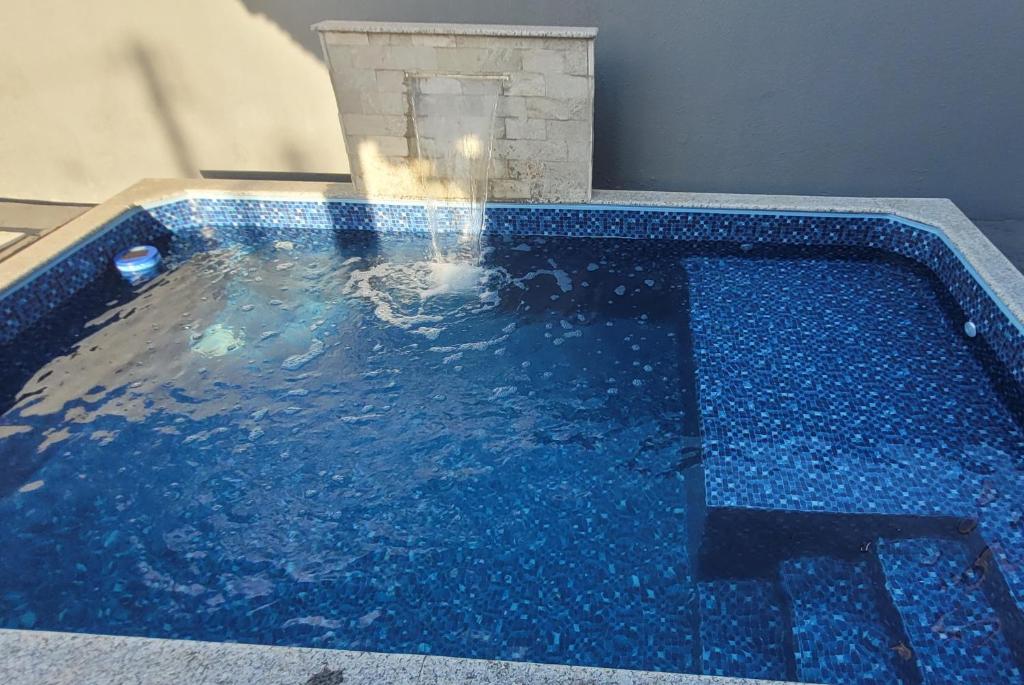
(46,290)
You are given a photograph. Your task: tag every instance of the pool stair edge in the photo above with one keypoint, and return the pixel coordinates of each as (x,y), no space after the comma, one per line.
(744,629)
(941,592)
(843,630)
(743,541)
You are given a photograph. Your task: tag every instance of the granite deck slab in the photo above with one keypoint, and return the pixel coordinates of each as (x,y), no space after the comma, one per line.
(429,28)
(24,221)
(51,658)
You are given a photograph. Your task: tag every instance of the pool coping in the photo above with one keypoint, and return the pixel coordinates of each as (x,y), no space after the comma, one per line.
(50,657)
(55,658)
(442,29)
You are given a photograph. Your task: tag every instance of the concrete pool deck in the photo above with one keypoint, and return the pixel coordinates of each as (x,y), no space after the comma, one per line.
(25,221)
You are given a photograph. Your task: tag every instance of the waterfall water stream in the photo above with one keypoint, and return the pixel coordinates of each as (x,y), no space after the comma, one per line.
(453,121)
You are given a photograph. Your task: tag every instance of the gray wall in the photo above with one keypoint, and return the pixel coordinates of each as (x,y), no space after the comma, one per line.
(852,97)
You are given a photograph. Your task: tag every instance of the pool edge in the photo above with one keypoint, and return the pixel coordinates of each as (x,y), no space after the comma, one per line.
(990,266)
(54,658)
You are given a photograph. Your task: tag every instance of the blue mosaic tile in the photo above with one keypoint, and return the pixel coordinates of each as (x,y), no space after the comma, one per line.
(849,391)
(838,626)
(31,300)
(954,633)
(845,391)
(743,630)
(868,231)
(1002,528)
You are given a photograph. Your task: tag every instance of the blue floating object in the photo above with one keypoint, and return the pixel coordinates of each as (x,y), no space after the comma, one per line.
(139,263)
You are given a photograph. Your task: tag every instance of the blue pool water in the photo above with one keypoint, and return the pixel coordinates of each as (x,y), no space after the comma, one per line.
(575,453)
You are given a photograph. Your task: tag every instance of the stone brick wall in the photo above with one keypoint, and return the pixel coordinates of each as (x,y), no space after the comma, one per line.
(543,136)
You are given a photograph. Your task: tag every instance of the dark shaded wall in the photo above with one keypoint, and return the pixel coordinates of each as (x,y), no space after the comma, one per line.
(854,97)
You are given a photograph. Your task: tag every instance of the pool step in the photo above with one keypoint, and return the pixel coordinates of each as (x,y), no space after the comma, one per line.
(743,630)
(842,628)
(956,635)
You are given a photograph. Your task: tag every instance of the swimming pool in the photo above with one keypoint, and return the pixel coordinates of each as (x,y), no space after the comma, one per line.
(744,443)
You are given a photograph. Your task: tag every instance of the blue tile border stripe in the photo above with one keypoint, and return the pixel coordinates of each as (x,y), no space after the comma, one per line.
(28,301)
(56,281)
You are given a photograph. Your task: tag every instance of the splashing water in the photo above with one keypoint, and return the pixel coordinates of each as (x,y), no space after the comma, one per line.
(453,120)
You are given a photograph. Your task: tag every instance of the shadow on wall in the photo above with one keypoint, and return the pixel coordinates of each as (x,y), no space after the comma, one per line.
(162,105)
(385,177)
(96,97)
(296,18)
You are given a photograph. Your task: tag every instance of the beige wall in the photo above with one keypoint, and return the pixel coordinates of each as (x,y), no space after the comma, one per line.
(97,94)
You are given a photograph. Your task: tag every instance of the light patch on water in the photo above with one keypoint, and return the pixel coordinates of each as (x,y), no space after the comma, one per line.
(314,621)
(503,391)
(453,277)
(563,279)
(104,437)
(218,340)
(250,586)
(367,619)
(297,361)
(8,431)
(480,345)
(428,332)
(377,284)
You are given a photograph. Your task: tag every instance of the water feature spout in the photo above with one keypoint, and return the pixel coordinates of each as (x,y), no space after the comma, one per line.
(453,120)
